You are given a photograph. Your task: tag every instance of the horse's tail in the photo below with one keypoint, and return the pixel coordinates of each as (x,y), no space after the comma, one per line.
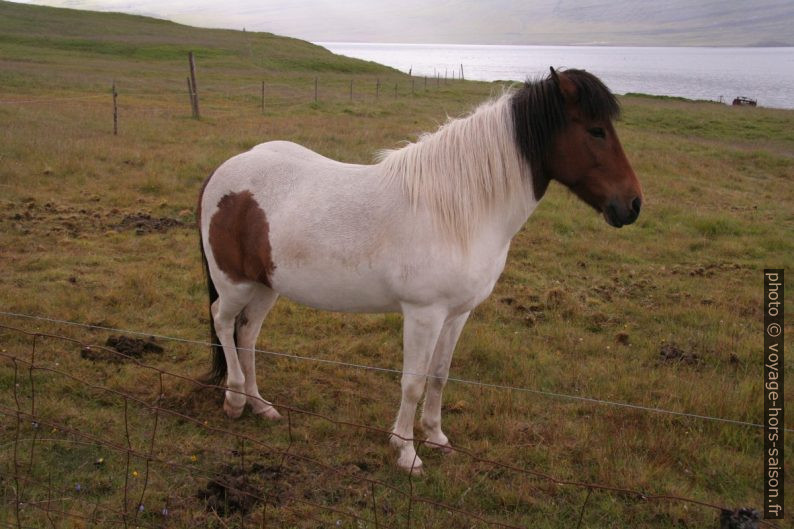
(217,372)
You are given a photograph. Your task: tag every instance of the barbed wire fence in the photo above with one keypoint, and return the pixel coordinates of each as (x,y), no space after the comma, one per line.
(249,101)
(39,491)
(262,95)
(241,492)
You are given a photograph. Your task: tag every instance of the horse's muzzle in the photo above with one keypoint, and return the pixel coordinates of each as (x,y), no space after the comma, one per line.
(619,215)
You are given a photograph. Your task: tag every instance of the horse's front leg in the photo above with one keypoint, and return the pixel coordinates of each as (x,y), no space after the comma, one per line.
(439,371)
(421,329)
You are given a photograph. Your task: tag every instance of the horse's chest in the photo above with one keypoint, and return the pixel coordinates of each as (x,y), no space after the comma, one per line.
(461,285)
(484,278)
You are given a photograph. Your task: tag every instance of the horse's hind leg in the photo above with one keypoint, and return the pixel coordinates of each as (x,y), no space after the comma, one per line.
(438,373)
(249,323)
(231,301)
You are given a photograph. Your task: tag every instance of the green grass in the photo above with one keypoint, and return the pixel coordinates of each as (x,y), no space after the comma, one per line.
(581,308)
(120,49)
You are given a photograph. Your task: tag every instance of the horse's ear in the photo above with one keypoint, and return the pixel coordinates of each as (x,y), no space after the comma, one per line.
(564,85)
(554,76)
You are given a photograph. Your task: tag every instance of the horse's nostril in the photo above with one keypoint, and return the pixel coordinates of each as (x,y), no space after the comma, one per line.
(636,204)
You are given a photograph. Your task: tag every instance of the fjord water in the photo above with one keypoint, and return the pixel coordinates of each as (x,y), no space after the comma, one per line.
(764,74)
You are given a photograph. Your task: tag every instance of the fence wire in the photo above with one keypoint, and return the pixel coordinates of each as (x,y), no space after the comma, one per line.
(336,89)
(458,380)
(144,445)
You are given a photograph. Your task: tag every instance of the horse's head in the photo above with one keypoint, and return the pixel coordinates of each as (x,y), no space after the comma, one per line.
(564,129)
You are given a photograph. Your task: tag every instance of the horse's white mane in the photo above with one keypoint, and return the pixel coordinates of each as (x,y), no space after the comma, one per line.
(465,169)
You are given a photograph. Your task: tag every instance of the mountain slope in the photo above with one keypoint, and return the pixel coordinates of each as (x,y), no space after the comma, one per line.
(621,22)
(40,33)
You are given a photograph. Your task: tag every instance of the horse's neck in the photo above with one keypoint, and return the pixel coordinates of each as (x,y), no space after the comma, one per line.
(469,175)
(512,216)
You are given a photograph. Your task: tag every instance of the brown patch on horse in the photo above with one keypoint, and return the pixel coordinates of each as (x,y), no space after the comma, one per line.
(239,238)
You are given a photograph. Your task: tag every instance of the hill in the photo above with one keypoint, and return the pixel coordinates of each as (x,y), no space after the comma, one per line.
(547,22)
(37,33)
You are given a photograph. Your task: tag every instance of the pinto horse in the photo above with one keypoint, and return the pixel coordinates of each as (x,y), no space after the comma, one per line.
(424,231)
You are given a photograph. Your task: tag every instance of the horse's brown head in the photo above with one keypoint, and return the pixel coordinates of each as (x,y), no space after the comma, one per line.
(564,130)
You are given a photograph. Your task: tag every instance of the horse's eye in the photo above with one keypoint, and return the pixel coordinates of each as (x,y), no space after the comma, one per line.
(597,132)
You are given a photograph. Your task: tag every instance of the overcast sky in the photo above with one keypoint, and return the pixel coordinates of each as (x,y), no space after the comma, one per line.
(638,22)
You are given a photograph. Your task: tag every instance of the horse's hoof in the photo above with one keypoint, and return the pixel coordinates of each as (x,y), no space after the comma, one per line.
(416,471)
(269,413)
(444,449)
(413,467)
(231,411)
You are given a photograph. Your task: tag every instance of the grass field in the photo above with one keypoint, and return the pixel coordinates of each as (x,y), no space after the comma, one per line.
(581,309)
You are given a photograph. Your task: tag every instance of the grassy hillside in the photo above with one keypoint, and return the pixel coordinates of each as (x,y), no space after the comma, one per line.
(97,228)
(41,34)
(544,22)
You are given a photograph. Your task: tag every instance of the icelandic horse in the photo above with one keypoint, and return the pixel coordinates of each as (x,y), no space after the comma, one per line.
(424,231)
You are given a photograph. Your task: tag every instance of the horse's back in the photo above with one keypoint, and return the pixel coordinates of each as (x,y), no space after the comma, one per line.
(268,163)
(283,176)
(293,151)
(321,216)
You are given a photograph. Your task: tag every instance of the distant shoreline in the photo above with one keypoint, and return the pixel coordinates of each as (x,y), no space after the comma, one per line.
(691,72)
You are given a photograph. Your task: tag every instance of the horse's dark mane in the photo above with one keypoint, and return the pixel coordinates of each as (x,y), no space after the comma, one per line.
(539,115)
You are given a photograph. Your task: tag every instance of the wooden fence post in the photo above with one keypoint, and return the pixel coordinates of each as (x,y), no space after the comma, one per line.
(425,83)
(194,88)
(461,72)
(190,95)
(115,111)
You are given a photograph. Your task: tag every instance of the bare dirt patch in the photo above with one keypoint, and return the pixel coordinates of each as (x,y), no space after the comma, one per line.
(740,519)
(144,223)
(622,338)
(530,311)
(236,490)
(32,217)
(51,218)
(707,269)
(672,354)
(129,347)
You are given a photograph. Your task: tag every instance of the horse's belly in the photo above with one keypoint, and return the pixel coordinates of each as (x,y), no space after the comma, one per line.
(345,290)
